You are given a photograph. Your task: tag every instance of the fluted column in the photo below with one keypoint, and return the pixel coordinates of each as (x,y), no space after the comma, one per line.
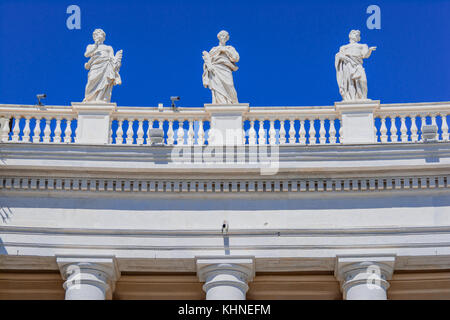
(227,277)
(364,278)
(88,278)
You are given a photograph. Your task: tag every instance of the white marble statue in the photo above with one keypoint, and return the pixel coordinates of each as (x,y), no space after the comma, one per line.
(218,67)
(350,73)
(103,69)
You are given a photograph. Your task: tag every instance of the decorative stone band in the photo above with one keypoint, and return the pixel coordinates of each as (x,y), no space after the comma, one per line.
(364,278)
(212,186)
(225,277)
(88,278)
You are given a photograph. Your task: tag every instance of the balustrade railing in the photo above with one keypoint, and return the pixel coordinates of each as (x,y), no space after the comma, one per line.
(292,125)
(50,124)
(186,126)
(404,122)
(393,123)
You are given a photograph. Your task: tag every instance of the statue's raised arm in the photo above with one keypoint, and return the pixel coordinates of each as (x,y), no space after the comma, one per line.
(218,67)
(103,68)
(350,74)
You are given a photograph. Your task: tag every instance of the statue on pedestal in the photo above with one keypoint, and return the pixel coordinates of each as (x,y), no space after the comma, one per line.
(350,74)
(218,67)
(103,68)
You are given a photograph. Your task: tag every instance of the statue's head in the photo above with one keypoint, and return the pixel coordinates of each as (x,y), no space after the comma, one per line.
(223,37)
(99,35)
(354,36)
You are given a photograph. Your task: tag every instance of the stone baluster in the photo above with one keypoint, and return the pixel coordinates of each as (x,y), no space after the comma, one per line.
(322,132)
(302,132)
(58,131)
(292,132)
(130,132)
(180,133)
(140,132)
(200,133)
(119,132)
(383,130)
(68,131)
(261,133)
(403,129)
(26,130)
(190,133)
(170,133)
(16,129)
(150,126)
(392,130)
(47,130)
(332,130)
(395,130)
(282,132)
(312,132)
(252,133)
(4,130)
(37,130)
(272,133)
(445,135)
(414,135)
(433,122)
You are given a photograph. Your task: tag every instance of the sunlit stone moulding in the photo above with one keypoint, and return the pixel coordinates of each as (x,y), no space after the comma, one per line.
(358,125)
(226,123)
(88,278)
(94,122)
(225,277)
(364,277)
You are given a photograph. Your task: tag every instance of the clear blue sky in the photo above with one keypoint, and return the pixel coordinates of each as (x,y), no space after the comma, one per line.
(287,49)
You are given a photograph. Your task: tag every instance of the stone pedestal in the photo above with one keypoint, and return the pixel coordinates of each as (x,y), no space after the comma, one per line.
(364,278)
(94,123)
(225,277)
(226,124)
(88,278)
(357,120)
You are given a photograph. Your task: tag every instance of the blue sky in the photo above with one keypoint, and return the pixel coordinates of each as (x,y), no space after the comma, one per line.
(287,49)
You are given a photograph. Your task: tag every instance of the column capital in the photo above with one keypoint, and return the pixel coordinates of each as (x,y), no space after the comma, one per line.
(225,277)
(99,271)
(242,264)
(369,271)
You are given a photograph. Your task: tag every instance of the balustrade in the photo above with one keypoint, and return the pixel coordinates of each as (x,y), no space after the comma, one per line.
(403,123)
(33,125)
(292,126)
(393,123)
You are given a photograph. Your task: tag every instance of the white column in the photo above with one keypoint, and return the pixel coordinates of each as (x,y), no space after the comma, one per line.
(357,123)
(364,278)
(225,277)
(88,278)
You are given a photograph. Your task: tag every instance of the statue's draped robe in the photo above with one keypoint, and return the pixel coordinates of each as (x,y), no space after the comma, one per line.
(350,74)
(103,75)
(220,78)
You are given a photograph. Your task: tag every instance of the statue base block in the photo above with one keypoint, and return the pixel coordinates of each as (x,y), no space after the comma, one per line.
(357,120)
(226,123)
(93,122)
